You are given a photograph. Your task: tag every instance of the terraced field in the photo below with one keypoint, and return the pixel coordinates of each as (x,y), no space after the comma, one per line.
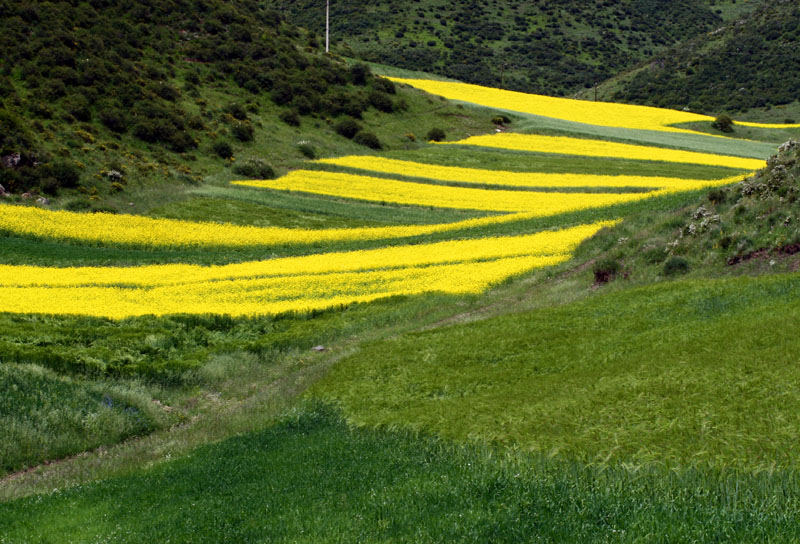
(119,310)
(510,197)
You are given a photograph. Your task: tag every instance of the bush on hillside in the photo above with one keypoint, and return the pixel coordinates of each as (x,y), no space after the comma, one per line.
(307,150)
(243,131)
(723,123)
(347,127)
(359,74)
(435,135)
(675,266)
(605,270)
(223,149)
(254,169)
(381,101)
(368,139)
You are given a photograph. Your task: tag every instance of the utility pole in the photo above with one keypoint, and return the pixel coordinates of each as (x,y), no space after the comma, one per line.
(595,91)
(327,26)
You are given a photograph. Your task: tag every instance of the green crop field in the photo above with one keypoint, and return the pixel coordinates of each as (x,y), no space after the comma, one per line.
(589,336)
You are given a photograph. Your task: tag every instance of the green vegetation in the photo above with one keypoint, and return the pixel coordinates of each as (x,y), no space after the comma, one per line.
(46,416)
(750,63)
(312,478)
(89,113)
(646,387)
(684,373)
(545,47)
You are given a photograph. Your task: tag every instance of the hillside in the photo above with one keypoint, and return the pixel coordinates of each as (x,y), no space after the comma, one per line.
(446,313)
(751,63)
(553,48)
(108,102)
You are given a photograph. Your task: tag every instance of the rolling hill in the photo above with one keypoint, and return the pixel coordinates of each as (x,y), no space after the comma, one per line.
(753,62)
(553,48)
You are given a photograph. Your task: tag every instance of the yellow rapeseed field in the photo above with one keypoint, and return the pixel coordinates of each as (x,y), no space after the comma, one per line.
(580,111)
(600,148)
(421,194)
(335,278)
(560,242)
(101,228)
(513,179)
(268,295)
(286,284)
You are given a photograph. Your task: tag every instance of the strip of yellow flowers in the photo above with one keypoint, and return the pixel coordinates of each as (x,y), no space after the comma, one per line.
(293,283)
(422,194)
(270,295)
(511,179)
(600,148)
(580,111)
(101,228)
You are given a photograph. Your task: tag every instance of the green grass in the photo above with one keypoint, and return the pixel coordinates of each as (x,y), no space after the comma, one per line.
(46,416)
(339,209)
(686,372)
(690,142)
(772,135)
(170,350)
(44,252)
(245,213)
(313,479)
(524,161)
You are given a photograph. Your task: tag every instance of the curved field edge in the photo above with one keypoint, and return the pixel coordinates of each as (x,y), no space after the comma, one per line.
(46,252)
(684,372)
(314,478)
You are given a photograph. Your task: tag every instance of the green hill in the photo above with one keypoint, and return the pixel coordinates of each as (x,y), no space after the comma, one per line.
(111,100)
(753,62)
(543,47)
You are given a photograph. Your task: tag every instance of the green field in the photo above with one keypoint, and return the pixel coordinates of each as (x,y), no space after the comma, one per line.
(658,407)
(311,478)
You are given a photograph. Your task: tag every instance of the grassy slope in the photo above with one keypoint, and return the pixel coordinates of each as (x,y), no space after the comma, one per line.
(550,47)
(312,479)
(680,373)
(236,356)
(751,63)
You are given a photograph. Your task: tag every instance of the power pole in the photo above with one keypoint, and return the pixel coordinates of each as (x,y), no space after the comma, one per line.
(327,26)
(595,91)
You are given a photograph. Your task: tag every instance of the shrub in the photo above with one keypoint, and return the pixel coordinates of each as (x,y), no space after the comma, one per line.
(347,127)
(501,120)
(78,206)
(716,196)
(675,266)
(223,149)
(167,92)
(254,169)
(114,119)
(78,106)
(368,139)
(302,104)
(381,101)
(384,85)
(654,255)
(237,111)
(723,123)
(243,131)
(605,270)
(282,93)
(66,173)
(435,135)
(307,150)
(49,186)
(290,117)
(359,74)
